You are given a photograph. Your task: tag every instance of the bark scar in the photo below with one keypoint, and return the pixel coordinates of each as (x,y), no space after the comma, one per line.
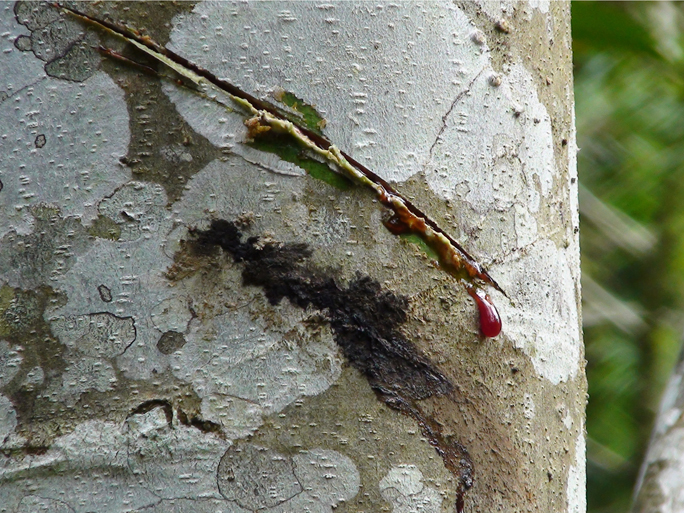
(448,112)
(266,118)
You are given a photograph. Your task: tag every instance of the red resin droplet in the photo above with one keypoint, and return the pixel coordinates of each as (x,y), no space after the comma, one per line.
(490,322)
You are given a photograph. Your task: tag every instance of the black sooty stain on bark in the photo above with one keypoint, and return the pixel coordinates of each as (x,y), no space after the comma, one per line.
(365,322)
(363,317)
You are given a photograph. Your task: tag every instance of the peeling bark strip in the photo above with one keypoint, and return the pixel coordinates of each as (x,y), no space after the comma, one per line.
(365,322)
(407,218)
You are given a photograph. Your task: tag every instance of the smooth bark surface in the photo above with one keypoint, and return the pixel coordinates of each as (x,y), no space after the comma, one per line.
(200,318)
(660,485)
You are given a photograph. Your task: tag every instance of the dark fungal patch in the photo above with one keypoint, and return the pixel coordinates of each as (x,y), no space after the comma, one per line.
(365,321)
(170,342)
(105,293)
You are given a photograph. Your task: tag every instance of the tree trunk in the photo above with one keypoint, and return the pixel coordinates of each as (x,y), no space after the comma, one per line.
(200,315)
(659,488)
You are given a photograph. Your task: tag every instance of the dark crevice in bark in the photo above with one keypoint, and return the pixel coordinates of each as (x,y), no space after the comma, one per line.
(206,426)
(148,406)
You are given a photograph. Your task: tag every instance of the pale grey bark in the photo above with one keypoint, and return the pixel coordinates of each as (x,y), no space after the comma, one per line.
(659,488)
(139,371)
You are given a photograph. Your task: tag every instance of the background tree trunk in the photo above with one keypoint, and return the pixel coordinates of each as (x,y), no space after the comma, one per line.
(659,488)
(192,323)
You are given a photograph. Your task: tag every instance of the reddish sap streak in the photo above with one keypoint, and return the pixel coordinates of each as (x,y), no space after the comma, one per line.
(490,322)
(395,225)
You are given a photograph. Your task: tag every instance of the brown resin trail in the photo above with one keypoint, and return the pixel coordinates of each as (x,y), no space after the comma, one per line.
(407,218)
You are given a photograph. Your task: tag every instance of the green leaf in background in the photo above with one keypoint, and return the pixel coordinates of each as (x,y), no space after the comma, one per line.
(601,26)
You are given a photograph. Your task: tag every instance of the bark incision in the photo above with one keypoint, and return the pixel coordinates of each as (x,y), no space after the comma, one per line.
(365,322)
(266,117)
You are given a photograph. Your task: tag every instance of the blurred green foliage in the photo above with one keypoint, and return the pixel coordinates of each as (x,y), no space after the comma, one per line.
(629,93)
